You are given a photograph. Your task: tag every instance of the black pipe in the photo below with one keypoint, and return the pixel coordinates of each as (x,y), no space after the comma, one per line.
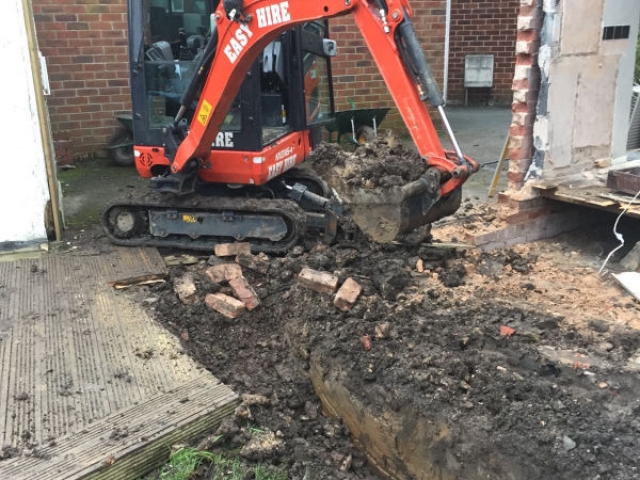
(419,64)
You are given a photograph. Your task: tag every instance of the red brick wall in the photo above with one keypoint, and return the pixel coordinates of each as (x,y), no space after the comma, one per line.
(86,48)
(355,73)
(483,26)
(85,44)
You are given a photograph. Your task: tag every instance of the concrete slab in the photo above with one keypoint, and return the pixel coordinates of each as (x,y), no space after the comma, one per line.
(74,352)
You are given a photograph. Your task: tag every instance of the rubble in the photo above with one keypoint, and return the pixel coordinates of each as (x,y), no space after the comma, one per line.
(224,272)
(244,292)
(257,263)
(173,260)
(631,261)
(321,282)
(232,249)
(347,294)
(185,288)
(224,304)
(418,362)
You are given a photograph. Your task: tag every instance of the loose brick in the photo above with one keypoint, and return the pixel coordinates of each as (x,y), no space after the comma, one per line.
(245,292)
(224,272)
(253,262)
(185,288)
(224,304)
(347,295)
(232,249)
(322,282)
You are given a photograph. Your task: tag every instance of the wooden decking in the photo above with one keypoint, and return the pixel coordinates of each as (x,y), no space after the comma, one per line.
(90,386)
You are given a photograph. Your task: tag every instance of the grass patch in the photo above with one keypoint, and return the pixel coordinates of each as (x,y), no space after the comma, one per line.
(183,463)
(232,469)
(186,462)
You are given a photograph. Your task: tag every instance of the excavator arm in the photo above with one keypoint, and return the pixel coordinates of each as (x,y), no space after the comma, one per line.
(244,28)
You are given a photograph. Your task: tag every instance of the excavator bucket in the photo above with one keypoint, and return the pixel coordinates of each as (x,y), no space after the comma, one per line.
(385,214)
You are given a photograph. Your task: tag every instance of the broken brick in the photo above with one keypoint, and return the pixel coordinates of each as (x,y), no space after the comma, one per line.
(366,342)
(244,292)
(347,295)
(185,288)
(322,282)
(506,331)
(253,262)
(232,249)
(224,272)
(224,304)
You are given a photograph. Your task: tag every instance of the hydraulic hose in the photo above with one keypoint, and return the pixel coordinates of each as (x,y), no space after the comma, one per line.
(418,62)
(200,76)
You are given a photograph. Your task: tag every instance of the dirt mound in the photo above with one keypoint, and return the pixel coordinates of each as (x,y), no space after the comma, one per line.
(462,379)
(376,165)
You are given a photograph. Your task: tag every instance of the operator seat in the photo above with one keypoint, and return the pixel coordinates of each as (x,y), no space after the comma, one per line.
(160,52)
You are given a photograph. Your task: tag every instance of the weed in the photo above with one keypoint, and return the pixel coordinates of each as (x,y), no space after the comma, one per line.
(225,468)
(183,463)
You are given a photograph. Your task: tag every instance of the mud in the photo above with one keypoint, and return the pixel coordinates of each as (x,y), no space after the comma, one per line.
(443,392)
(377,165)
(557,396)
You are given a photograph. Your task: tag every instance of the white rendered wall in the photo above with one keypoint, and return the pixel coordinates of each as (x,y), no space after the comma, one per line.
(23,180)
(623,12)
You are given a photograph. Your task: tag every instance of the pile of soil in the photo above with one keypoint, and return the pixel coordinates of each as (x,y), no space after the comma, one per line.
(377,165)
(451,364)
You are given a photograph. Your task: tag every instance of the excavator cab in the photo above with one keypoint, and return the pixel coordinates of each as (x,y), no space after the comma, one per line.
(167,39)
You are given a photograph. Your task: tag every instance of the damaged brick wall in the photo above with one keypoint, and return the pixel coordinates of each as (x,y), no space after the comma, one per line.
(85,45)
(526,86)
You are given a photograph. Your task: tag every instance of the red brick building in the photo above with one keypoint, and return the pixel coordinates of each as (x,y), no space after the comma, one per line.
(85,44)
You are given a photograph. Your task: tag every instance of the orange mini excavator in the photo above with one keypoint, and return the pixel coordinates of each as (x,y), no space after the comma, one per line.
(230,97)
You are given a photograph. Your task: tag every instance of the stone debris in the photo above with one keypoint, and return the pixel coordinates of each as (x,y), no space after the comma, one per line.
(506,331)
(185,288)
(232,249)
(631,261)
(322,282)
(366,342)
(224,304)
(253,399)
(262,446)
(257,263)
(571,358)
(347,294)
(173,260)
(244,292)
(224,272)
(382,330)
(568,443)
(633,364)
